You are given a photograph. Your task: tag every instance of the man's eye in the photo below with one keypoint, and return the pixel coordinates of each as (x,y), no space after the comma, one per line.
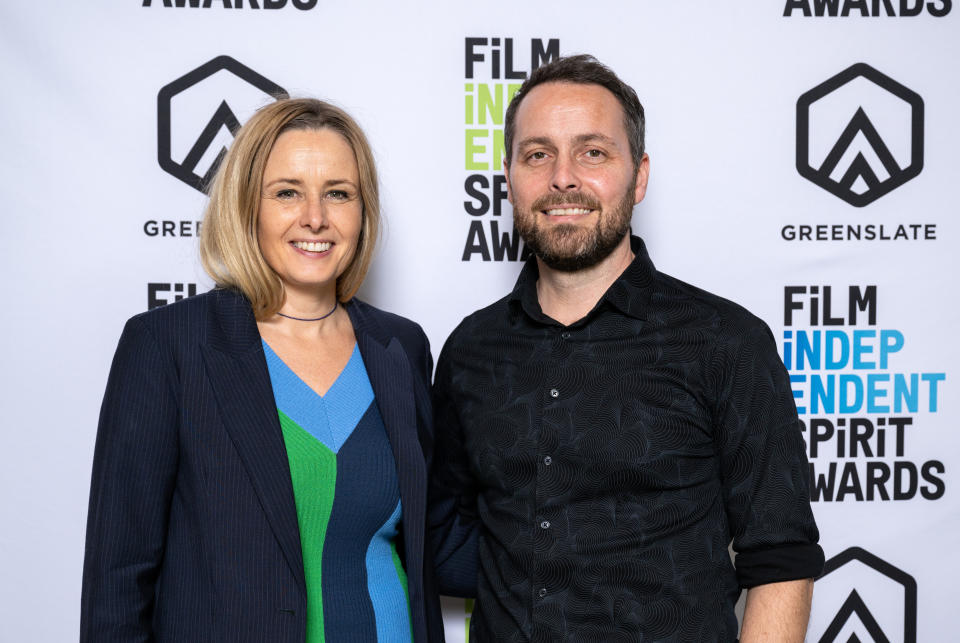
(537,156)
(595,153)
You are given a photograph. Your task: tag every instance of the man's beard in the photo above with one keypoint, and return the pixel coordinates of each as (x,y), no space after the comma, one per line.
(568,247)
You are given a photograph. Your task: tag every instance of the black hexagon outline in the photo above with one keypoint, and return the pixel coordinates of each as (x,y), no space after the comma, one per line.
(916,131)
(223,115)
(894,573)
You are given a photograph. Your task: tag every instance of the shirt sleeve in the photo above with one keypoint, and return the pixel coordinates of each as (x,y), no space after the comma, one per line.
(763,463)
(453,521)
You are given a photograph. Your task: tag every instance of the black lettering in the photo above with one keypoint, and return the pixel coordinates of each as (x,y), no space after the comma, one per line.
(930,231)
(169,229)
(853,232)
(304,5)
(151,228)
(821,233)
(788,232)
(850,482)
(855,4)
(152,300)
(821,430)
(805,232)
(789,305)
(508,62)
(508,243)
(802,5)
(865,300)
(904,472)
(540,55)
(827,319)
(274,4)
(226,4)
(499,193)
(887,7)
(928,471)
(871,232)
(470,186)
(860,438)
(822,486)
(907,10)
(878,474)
(476,243)
(470,56)
(901,233)
(900,424)
(830,6)
(939,12)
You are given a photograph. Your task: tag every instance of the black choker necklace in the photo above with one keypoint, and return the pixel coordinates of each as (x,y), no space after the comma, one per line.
(332,310)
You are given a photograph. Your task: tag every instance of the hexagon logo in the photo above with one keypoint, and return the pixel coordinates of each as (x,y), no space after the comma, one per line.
(860,597)
(859,135)
(210,102)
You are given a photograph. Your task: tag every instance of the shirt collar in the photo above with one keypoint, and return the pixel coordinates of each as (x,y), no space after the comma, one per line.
(629,294)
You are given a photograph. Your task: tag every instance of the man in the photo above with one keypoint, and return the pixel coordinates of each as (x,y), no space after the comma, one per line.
(605,430)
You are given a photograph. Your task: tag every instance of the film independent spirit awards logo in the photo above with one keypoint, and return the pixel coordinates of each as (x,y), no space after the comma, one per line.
(866,598)
(860,135)
(214,92)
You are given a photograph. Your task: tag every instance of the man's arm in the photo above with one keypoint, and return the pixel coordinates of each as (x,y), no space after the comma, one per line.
(452,522)
(777,612)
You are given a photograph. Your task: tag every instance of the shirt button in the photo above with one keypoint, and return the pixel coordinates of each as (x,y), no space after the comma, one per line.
(542,592)
(545,524)
(547,460)
(565,335)
(554,393)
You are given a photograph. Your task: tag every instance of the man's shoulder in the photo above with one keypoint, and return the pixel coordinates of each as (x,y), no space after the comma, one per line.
(489,319)
(673,296)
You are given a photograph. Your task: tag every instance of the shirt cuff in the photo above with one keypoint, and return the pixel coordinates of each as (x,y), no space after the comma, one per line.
(776,564)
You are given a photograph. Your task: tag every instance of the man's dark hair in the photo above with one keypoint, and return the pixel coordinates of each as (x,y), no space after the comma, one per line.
(582,69)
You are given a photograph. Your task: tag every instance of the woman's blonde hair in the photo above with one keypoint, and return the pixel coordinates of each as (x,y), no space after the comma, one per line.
(229,250)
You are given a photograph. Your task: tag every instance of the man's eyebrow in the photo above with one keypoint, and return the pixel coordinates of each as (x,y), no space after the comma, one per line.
(535,140)
(594,137)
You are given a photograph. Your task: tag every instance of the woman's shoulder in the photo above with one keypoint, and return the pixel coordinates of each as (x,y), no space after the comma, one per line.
(384,326)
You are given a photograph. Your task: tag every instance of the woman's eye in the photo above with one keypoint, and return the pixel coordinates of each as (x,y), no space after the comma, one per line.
(286,194)
(338,195)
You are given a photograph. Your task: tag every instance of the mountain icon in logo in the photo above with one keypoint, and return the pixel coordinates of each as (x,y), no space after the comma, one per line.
(206,102)
(860,135)
(860,597)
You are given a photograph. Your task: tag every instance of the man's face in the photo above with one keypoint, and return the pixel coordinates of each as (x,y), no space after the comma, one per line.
(571,180)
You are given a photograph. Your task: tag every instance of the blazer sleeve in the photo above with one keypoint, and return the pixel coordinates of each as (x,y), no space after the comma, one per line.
(134,469)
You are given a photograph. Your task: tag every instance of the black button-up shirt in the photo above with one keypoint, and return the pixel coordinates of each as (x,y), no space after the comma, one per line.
(610,463)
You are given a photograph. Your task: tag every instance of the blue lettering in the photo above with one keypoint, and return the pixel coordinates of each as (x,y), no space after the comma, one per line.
(933,379)
(890,342)
(903,393)
(845,405)
(873,393)
(859,349)
(832,361)
(798,394)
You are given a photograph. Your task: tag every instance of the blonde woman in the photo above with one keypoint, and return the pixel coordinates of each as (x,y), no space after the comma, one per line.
(262,452)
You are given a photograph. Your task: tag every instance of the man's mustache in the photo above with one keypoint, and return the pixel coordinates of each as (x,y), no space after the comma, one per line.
(554,199)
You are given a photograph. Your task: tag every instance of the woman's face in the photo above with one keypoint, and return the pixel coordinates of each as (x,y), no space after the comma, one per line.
(310,210)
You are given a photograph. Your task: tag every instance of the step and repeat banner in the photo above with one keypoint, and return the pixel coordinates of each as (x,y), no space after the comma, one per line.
(804,164)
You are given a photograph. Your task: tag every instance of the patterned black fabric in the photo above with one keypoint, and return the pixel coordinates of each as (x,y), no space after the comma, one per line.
(611,462)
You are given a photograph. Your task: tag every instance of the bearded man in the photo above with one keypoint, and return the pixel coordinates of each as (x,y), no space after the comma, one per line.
(605,431)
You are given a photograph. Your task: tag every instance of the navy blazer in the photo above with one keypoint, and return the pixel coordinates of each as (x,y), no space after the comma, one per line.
(192,530)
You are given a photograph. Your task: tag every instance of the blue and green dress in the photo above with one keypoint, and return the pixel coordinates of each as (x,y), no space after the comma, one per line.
(348,505)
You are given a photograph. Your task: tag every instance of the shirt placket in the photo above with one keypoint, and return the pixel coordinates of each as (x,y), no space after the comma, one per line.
(552,395)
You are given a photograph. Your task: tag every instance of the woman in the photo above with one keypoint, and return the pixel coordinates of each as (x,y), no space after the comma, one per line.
(261,459)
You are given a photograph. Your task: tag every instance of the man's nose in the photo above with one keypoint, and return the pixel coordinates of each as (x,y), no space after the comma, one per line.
(565,177)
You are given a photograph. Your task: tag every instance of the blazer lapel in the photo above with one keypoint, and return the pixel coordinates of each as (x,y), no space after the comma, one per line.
(389,372)
(238,374)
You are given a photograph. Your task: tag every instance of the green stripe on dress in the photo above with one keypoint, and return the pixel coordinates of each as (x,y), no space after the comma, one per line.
(312,467)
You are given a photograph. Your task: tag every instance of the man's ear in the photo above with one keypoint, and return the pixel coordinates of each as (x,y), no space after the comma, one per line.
(643,175)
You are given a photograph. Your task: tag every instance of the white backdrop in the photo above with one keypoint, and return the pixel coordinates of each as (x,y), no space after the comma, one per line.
(720,82)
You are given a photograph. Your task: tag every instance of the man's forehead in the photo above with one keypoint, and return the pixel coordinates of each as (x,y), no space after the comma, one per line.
(567,105)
